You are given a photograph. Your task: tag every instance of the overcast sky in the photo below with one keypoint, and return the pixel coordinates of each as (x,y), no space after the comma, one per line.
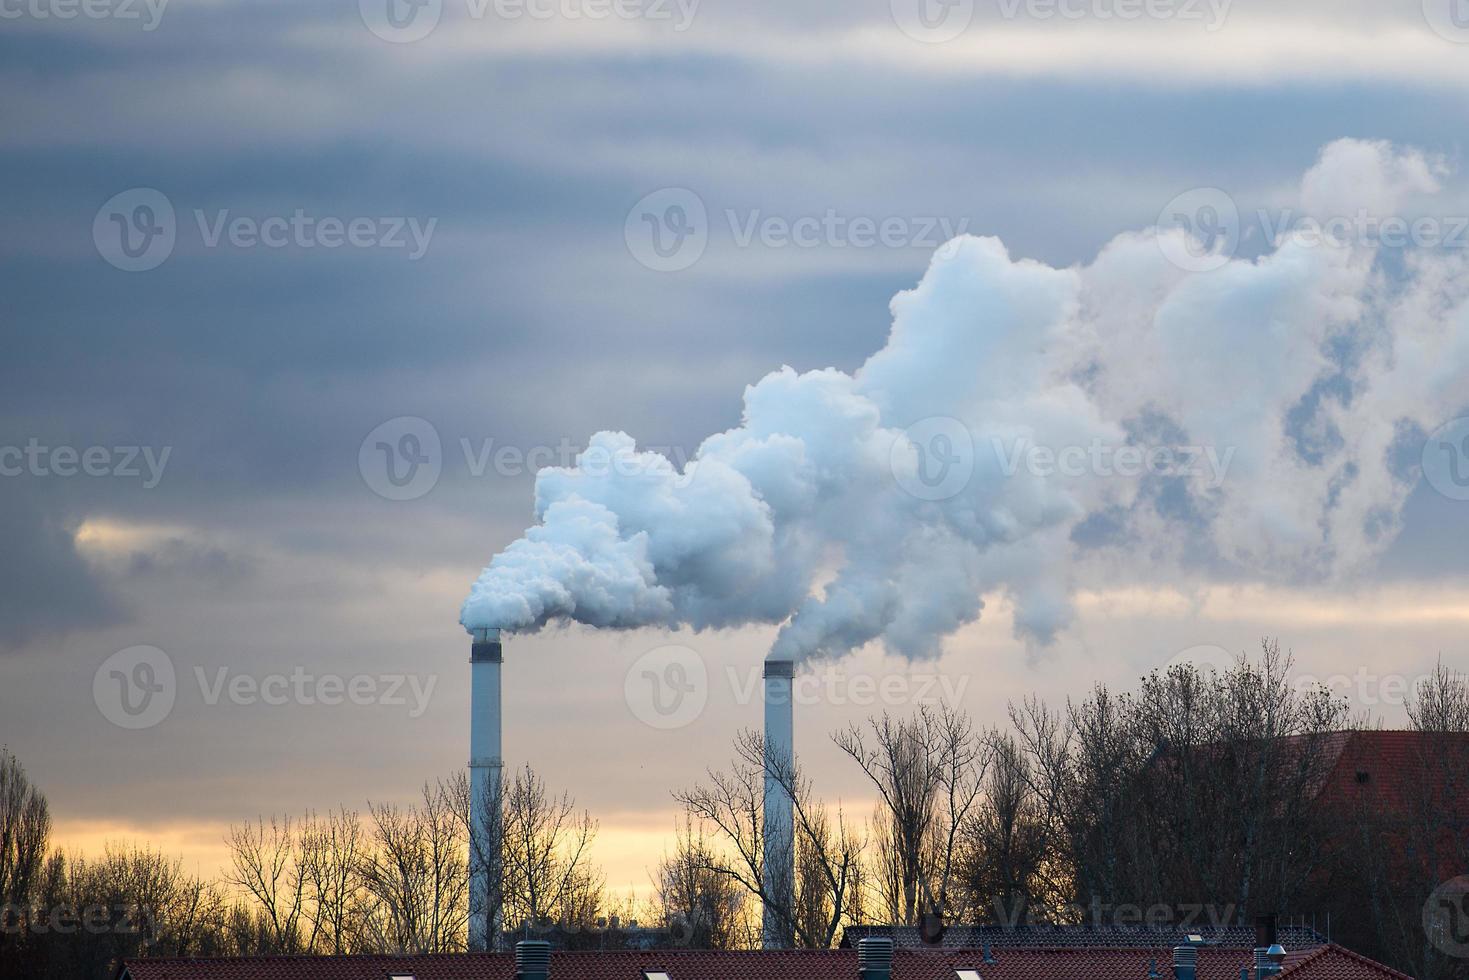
(441,223)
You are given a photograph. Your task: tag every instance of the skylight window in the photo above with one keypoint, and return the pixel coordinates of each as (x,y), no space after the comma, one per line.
(967,975)
(655,975)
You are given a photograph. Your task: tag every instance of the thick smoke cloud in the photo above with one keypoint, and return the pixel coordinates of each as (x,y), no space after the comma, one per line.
(829,510)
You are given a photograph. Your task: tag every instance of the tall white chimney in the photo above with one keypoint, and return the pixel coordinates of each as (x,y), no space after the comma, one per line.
(485,764)
(779,871)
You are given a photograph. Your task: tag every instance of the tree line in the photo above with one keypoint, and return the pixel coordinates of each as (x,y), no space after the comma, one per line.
(1198,795)
(1193,791)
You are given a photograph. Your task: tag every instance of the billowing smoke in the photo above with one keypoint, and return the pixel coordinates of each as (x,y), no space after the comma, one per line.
(1027,430)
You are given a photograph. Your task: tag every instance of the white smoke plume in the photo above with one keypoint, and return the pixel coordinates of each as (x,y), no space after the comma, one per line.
(885,504)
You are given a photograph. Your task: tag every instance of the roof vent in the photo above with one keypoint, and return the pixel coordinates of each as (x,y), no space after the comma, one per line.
(533,959)
(1185,963)
(875,958)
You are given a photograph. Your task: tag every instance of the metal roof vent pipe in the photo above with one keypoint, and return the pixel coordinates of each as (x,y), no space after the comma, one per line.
(1185,963)
(875,958)
(1266,933)
(532,959)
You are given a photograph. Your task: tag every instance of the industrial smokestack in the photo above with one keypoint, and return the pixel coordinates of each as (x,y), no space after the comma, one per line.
(485,764)
(779,870)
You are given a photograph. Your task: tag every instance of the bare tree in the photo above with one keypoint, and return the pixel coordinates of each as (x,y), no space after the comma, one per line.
(130,901)
(1417,839)
(928,771)
(700,907)
(25,828)
(266,862)
(415,875)
(547,841)
(1196,789)
(331,855)
(1005,846)
(1440,703)
(732,803)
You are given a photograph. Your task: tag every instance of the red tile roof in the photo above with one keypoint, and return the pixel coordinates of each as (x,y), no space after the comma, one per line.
(1335,963)
(1390,770)
(1324,963)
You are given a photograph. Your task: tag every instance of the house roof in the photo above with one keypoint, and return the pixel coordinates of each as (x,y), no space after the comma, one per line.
(1089,935)
(1335,963)
(1328,962)
(1392,769)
